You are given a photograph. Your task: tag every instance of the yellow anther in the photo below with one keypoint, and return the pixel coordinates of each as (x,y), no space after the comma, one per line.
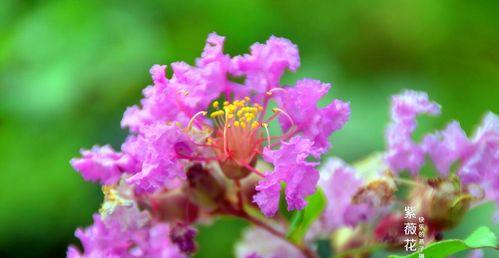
(230,116)
(236,123)
(215,104)
(243,124)
(248,119)
(226,103)
(255,124)
(217,113)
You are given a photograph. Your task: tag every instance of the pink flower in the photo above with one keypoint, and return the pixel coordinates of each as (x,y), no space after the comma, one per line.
(403,152)
(265,65)
(291,167)
(102,164)
(446,147)
(340,184)
(157,149)
(161,102)
(316,124)
(188,91)
(482,162)
(480,165)
(125,233)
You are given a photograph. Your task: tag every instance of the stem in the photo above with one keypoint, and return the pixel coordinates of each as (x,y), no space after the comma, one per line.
(303,249)
(407,182)
(240,199)
(254,170)
(241,213)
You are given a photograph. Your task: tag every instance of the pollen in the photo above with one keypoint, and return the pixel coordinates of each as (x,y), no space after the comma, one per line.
(237,129)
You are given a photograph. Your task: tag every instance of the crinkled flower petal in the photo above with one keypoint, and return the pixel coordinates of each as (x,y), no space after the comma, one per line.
(480,165)
(446,147)
(315,123)
(126,233)
(157,150)
(102,164)
(188,91)
(265,65)
(290,167)
(482,162)
(339,183)
(403,152)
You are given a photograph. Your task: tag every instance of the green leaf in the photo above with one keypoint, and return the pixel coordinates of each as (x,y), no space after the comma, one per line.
(480,238)
(302,220)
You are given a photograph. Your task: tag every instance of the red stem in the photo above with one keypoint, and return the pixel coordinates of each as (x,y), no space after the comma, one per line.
(241,213)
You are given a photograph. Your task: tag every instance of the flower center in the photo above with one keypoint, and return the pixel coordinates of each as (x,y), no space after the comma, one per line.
(237,130)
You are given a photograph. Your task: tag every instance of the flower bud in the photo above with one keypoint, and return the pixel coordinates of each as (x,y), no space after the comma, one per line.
(183,236)
(204,188)
(390,230)
(173,206)
(234,171)
(442,202)
(376,193)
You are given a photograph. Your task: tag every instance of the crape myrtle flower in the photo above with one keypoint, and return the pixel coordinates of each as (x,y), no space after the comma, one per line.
(446,147)
(102,164)
(291,167)
(127,232)
(156,149)
(354,194)
(403,153)
(200,116)
(300,102)
(264,66)
(477,157)
(340,184)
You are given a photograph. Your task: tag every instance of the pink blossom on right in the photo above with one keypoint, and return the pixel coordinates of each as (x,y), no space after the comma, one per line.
(340,184)
(403,153)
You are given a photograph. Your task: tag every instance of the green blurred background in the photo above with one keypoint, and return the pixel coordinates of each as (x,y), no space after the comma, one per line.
(68,69)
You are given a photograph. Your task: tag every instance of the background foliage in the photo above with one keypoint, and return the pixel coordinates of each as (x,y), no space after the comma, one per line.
(68,69)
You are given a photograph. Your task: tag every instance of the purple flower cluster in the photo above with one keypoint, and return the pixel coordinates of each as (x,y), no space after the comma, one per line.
(200,147)
(126,233)
(477,157)
(201,117)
